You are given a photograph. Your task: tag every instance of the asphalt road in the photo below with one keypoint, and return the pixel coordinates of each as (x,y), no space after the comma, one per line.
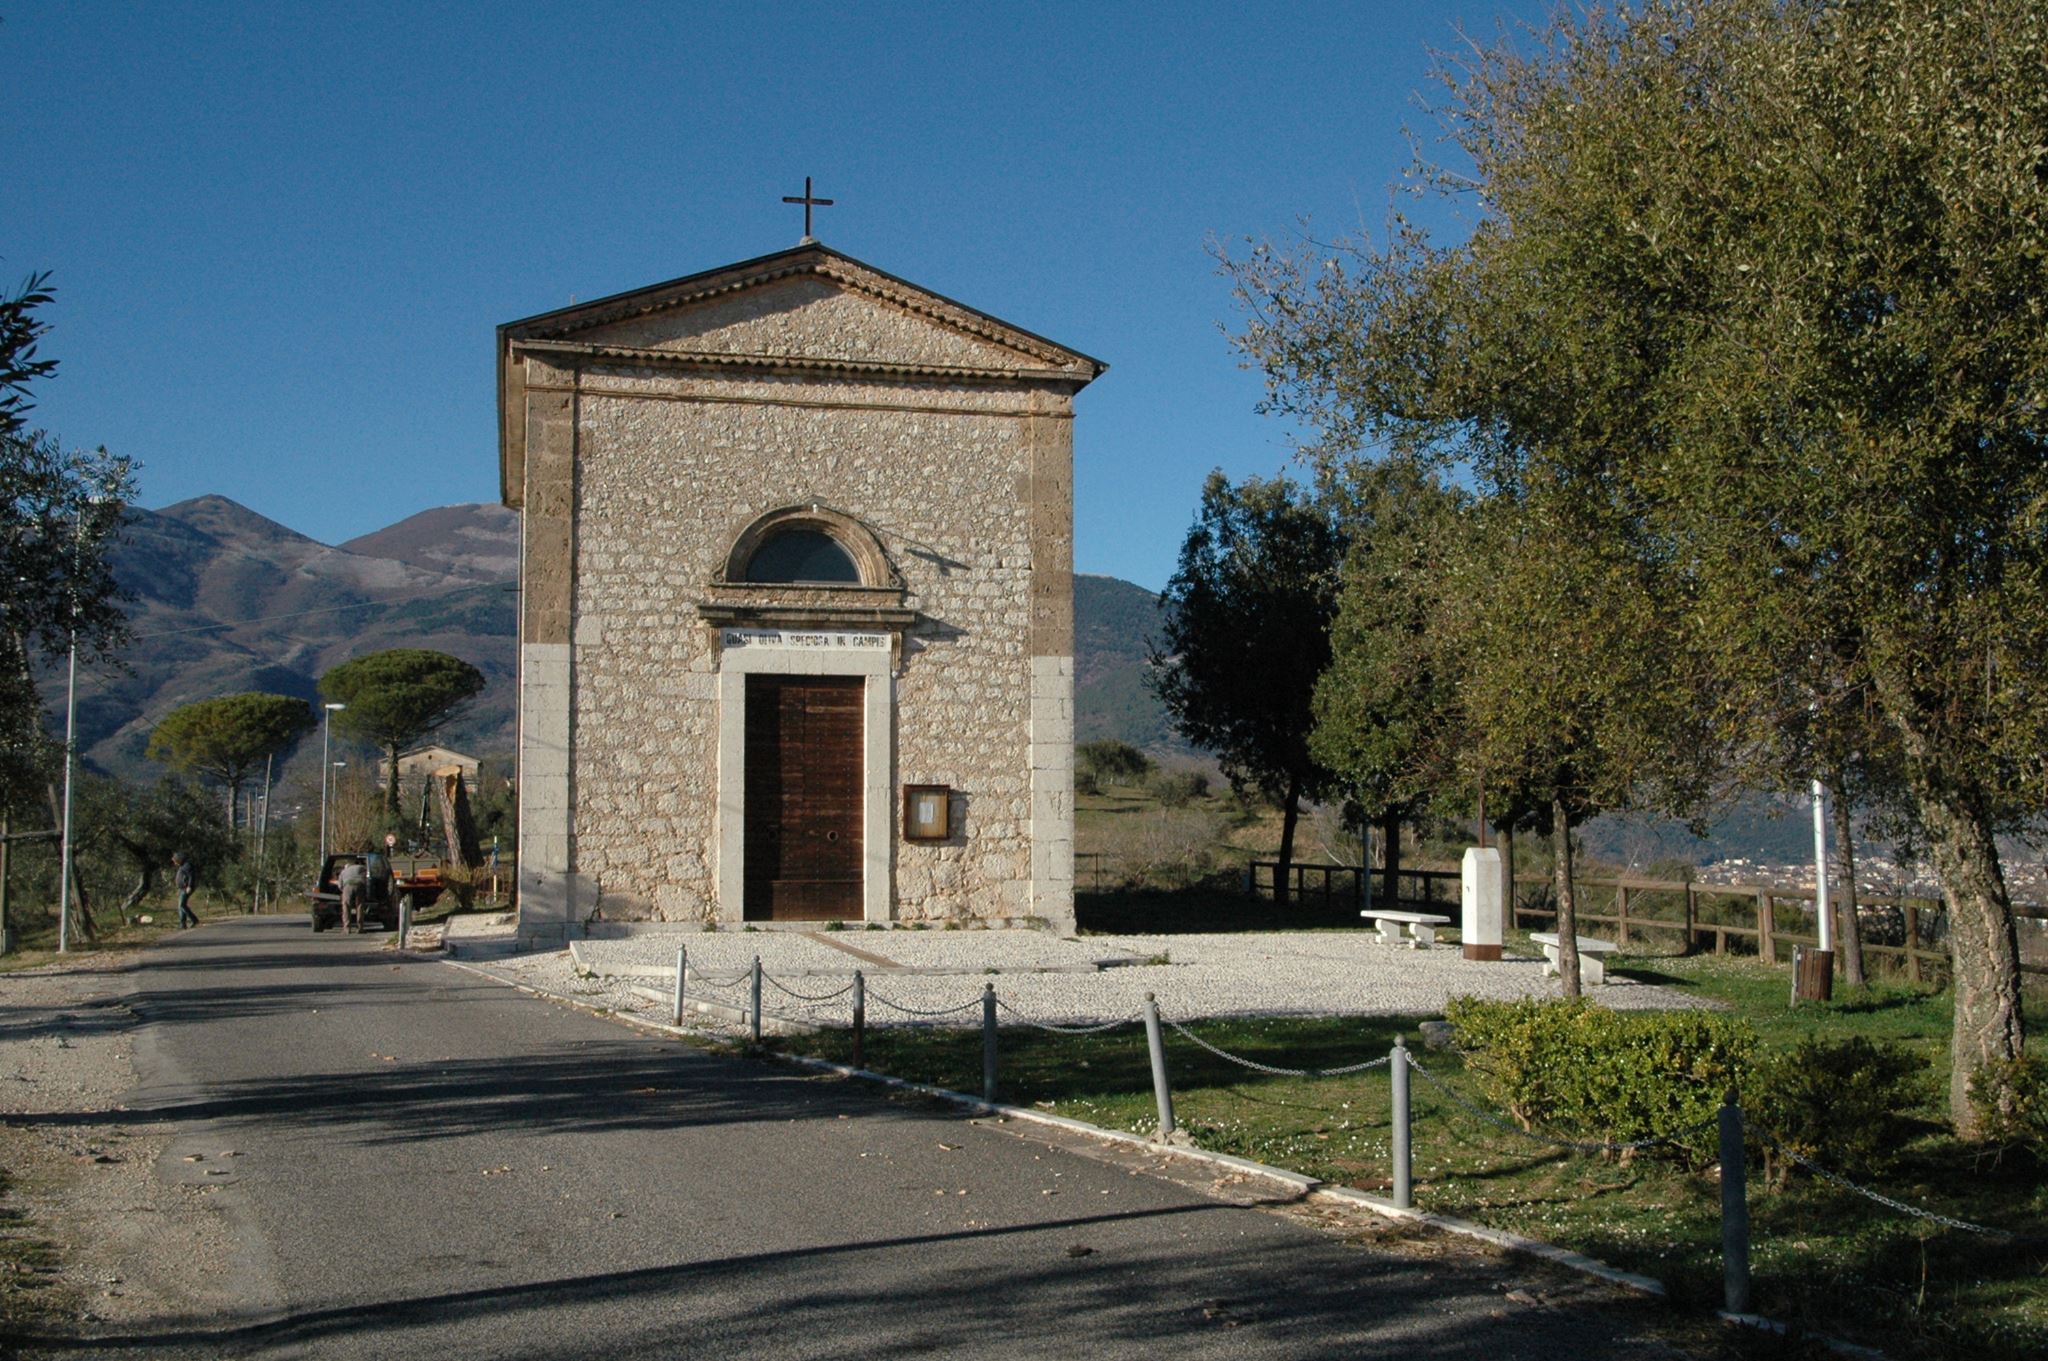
(431,1164)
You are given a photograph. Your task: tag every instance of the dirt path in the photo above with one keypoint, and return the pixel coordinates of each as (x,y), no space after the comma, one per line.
(90,1235)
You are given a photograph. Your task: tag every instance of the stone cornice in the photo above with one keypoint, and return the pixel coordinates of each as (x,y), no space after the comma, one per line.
(713,361)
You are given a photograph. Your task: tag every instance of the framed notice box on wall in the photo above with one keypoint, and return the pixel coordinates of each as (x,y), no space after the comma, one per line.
(927,812)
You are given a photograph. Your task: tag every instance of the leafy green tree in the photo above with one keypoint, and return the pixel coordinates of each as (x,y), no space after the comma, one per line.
(1762,281)
(226,738)
(59,513)
(134,829)
(497,801)
(21,331)
(1247,632)
(1386,721)
(1575,694)
(397,697)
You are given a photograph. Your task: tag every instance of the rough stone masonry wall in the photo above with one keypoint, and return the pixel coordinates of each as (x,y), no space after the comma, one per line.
(669,469)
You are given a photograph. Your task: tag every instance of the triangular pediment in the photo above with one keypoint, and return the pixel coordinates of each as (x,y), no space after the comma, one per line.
(805,307)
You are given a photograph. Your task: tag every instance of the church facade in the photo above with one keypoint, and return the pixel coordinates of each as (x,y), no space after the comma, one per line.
(796,606)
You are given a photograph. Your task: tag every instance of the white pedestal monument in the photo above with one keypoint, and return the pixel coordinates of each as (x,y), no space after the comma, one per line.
(1480,925)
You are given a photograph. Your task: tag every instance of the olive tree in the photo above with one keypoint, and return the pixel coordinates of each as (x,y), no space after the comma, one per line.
(60,511)
(1762,283)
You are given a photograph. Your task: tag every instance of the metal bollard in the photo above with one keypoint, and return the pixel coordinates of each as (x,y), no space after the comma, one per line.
(860,1019)
(404,919)
(682,970)
(754,1009)
(1734,1209)
(988,1043)
(1404,1182)
(1156,1043)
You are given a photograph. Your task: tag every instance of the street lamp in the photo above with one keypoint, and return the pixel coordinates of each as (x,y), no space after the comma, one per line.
(70,748)
(327,714)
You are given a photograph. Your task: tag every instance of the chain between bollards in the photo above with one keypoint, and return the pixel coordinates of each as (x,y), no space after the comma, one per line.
(1156,1043)
(682,972)
(1734,1208)
(754,1009)
(1404,1183)
(988,1043)
(860,1019)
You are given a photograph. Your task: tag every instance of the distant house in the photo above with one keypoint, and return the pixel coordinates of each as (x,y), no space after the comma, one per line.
(417,764)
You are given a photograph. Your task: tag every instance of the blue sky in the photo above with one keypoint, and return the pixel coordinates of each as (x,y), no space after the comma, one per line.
(282,234)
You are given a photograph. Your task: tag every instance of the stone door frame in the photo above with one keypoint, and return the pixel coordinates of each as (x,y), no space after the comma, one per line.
(745,652)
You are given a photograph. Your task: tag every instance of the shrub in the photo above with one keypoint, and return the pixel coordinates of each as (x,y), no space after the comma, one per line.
(2011,1097)
(1179,788)
(1577,1070)
(1835,1101)
(1113,762)
(1086,781)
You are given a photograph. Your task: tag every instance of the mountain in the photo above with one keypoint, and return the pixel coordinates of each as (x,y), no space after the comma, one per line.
(480,541)
(1115,623)
(225,600)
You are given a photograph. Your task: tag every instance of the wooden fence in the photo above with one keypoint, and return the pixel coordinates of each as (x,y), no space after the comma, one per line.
(1335,886)
(1767,921)
(1758,919)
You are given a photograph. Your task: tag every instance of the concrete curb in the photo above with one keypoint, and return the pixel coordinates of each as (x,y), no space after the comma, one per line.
(1304,1187)
(1501,1238)
(1771,1325)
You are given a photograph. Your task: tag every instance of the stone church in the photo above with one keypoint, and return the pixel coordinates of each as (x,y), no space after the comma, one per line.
(796,609)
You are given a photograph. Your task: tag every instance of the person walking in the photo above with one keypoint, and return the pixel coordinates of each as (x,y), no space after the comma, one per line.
(187,880)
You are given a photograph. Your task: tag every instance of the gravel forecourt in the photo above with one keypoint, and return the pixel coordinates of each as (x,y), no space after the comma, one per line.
(1037,976)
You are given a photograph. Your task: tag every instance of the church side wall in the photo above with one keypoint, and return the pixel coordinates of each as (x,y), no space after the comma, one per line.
(1051,645)
(547,890)
(669,468)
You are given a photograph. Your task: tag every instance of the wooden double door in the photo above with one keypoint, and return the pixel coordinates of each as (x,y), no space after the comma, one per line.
(804,793)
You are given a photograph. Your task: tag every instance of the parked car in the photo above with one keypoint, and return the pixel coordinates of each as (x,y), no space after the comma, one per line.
(422,887)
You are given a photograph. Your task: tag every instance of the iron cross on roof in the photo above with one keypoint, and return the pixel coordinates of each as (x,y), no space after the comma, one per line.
(808,202)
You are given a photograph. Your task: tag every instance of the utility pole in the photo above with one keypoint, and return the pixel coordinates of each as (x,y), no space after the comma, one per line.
(70,754)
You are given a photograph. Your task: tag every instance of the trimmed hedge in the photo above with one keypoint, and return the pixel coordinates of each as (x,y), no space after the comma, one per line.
(1574,1069)
(1570,1068)
(1837,1102)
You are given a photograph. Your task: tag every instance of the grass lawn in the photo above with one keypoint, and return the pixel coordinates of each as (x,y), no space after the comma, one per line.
(1825,1258)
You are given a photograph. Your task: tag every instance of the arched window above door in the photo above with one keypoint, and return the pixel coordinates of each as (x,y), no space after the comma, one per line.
(801,556)
(808,545)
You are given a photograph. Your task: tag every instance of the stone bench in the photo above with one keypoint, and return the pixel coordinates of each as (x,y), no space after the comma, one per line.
(1592,952)
(1421,926)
